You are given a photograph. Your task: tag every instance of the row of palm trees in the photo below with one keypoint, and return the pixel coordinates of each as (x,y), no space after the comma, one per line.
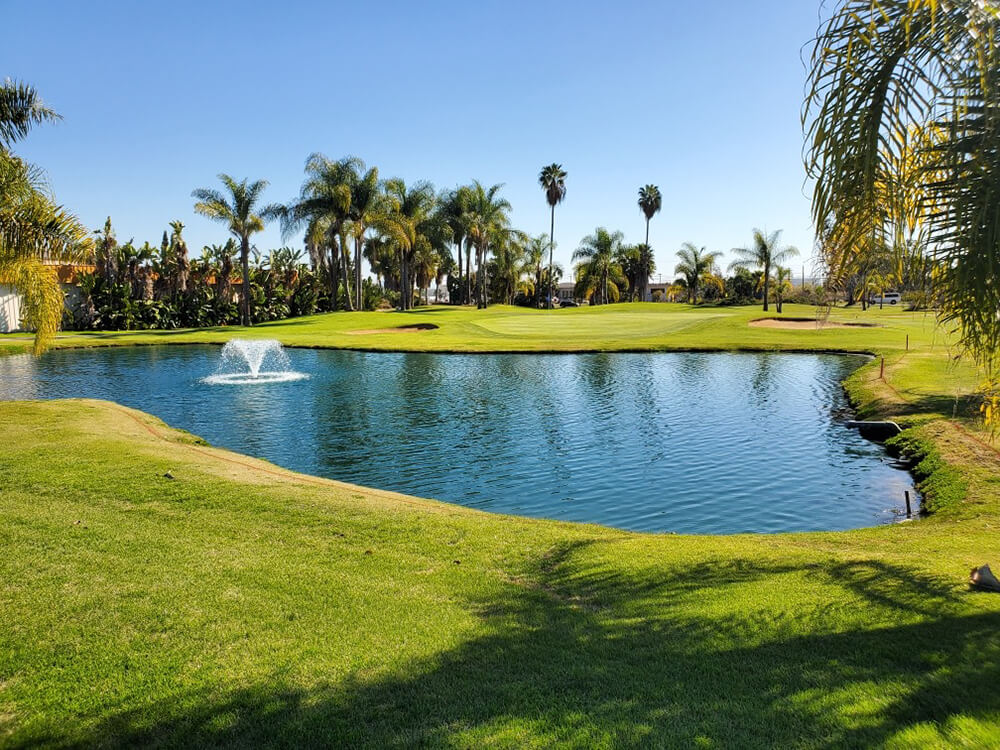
(765,254)
(406,232)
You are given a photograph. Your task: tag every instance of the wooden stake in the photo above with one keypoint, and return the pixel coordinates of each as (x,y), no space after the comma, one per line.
(881,372)
(907,342)
(908,512)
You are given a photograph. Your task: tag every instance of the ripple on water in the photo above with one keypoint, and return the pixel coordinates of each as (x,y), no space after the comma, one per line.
(687,442)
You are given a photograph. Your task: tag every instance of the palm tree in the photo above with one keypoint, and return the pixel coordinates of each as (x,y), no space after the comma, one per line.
(409,224)
(782,284)
(454,206)
(324,209)
(765,253)
(879,71)
(695,263)
(33,228)
(489,221)
(239,209)
(597,267)
(534,258)
(553,181)
(650,201)
(367,206)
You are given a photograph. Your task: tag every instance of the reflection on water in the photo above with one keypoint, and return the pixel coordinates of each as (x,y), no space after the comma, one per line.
(685,442)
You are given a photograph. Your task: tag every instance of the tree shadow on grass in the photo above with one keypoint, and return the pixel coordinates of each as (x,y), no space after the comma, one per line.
(581,656)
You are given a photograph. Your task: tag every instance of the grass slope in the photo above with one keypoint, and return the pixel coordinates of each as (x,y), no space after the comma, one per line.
(240,604)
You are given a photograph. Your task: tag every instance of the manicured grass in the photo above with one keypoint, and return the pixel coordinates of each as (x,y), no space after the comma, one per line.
(240,604)
(644,326)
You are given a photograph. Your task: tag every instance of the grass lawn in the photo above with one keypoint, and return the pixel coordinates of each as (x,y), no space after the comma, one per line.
(240,604)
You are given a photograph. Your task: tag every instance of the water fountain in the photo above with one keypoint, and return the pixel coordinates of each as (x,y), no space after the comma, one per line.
(253,361)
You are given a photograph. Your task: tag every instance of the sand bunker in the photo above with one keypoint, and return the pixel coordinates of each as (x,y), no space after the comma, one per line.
(804,324)
(401,329)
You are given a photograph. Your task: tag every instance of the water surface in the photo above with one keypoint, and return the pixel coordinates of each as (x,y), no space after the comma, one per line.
(686,442)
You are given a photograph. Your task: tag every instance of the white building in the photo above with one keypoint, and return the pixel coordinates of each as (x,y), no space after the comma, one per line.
(10,309)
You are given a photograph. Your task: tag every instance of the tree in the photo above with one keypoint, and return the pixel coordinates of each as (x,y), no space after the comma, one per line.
(324,209)
(367,207)
(765,253)
(695,264)
(33,228)
(597,267)
(454,207)
(637,264)
(553,181)
(489,222)
(878,71)
(650,202)
(239,209)
(411,225)
(534,259)
(782,285)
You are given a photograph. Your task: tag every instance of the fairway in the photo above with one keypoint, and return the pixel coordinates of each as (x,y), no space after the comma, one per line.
(237,603)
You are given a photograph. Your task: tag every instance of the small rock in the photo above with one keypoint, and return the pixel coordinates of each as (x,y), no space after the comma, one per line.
(168,475)
(458,562)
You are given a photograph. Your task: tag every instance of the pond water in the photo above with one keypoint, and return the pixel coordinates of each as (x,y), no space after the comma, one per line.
(685,442)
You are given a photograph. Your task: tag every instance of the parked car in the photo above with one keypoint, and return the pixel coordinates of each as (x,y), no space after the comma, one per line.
(568,303)
(888,298)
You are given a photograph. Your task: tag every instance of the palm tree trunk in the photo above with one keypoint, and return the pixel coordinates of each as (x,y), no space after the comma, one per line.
(357,269)
(245,263)
(767,283)
(552,243)
(345,277)
(468,274)
(334,270)
(645,277)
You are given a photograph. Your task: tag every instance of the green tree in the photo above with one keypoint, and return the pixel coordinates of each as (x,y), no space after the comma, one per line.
(33,228)
(694,264)
(553,181)
(489,223)
(411,225)
(598,270)
(323,208)
(650,202)
(765,253)
(238,208)
(367,207)
(879,70)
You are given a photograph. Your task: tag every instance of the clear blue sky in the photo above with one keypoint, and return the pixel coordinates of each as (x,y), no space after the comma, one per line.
(702,99)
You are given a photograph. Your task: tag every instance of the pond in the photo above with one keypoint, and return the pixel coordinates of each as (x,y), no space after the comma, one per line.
(685,442)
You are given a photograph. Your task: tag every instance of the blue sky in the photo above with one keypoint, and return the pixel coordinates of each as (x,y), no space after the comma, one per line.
(702,99)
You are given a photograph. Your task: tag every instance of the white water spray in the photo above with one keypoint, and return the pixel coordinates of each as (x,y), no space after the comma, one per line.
(249,361)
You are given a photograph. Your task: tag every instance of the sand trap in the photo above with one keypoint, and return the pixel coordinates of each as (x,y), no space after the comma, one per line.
(401,329)
(804,324)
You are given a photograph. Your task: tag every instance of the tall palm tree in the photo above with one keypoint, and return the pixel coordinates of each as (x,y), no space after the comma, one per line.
(879,70)
(598,269)
(553,181)
(455,210)
(239,209)
(534,258)
(33,228)
(650,201)
(765,253)
(367,206)
(489,221)
(409,224)
(695,264)
(323,208)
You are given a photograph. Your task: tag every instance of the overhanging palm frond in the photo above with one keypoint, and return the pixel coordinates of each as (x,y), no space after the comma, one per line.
(20,108)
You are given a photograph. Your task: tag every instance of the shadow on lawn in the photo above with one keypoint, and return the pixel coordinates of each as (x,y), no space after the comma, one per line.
(583,658)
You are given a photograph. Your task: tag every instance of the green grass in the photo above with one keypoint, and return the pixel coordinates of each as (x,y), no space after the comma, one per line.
(239,604)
